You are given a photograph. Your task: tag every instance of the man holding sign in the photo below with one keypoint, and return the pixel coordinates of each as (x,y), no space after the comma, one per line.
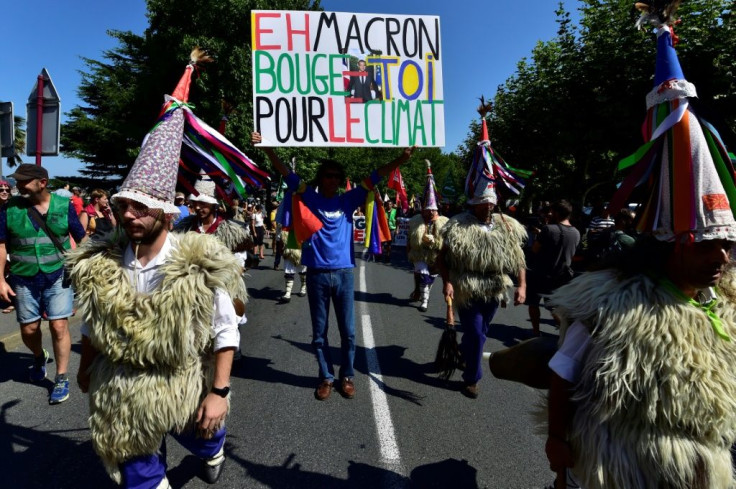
(328,254)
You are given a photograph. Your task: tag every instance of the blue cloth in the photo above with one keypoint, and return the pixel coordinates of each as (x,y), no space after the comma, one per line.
(147,471)
(337,286)
(42,279)
(183,212)
(331,247)
(476,320)
(47,295)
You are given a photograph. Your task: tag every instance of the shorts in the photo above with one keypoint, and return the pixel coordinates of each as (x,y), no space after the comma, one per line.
(536,288)
(32,299)
(260,232)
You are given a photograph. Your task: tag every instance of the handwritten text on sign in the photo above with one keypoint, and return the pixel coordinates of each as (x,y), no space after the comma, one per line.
(342,79)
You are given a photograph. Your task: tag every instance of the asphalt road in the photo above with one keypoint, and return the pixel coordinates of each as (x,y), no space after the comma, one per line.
(404,428)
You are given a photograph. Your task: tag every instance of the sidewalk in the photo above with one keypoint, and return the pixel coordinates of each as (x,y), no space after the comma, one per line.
(10,331)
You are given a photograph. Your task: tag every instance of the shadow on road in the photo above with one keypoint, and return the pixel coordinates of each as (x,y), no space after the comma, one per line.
(255,368)
(392,361)
(290,475)
(42,459)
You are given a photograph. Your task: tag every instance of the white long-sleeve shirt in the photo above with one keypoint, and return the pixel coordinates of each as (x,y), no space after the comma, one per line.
(147,279)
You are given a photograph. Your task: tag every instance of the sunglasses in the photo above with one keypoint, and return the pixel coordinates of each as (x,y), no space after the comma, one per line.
(4,190)
(136,209)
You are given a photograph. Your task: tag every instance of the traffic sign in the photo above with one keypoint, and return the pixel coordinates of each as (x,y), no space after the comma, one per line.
(50,118)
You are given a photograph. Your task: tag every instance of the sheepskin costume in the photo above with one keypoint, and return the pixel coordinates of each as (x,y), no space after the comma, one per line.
(233,235)
(156,361)
(656,401)
(480,260)
(421,248)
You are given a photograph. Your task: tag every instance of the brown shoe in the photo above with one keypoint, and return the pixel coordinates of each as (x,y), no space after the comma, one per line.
(323,390)
(470,390)
(347,388)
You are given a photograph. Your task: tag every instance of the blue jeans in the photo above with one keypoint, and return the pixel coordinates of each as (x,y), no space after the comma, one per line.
(33,297)
(147,471)
(323,286)
(475,319)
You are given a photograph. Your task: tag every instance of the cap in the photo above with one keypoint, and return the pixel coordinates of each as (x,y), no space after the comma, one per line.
(29,171)
(179,195)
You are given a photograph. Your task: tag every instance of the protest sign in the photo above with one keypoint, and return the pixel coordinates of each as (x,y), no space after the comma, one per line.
(358,229)
(402,232)
(344,79)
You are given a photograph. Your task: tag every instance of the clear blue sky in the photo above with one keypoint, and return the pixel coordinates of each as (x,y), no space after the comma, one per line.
(482,44)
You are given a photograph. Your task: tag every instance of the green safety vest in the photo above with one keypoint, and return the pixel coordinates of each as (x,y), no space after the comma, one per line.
(31,251)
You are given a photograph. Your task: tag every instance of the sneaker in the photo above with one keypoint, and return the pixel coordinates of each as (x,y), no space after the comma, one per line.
(323,391)
(38,369)
(347,388)
(470,390)
(212,467)
(61,389)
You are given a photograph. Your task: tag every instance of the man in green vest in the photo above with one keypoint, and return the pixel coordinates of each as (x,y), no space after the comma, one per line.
(33,227)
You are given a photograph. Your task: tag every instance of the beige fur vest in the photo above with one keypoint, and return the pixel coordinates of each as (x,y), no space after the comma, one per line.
(156,362)
(480,261)
(423,248)
(656,403)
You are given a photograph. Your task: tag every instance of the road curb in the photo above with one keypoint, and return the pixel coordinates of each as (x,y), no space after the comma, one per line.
(11,341)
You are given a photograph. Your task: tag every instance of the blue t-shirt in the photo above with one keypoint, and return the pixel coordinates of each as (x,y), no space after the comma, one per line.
(332,246)
(183,212)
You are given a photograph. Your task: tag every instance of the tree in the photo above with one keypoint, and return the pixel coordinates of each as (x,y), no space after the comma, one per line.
(575,109)
(123,91)
(20,141)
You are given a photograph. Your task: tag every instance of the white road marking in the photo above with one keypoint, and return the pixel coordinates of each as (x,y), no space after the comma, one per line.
(381,413)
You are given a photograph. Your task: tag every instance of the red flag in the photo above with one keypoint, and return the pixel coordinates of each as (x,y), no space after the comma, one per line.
(345,76)
(347,185)
(397,183)
(305,223)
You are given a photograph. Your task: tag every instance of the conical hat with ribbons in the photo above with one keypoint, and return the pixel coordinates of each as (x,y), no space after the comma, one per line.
(683,167)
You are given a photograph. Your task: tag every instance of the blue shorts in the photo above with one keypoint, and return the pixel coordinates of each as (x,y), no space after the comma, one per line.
(32,299)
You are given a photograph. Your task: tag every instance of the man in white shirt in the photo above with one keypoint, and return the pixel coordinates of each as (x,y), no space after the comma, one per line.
(161,327)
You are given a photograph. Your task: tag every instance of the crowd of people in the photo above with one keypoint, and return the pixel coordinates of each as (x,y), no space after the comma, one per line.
(640,393)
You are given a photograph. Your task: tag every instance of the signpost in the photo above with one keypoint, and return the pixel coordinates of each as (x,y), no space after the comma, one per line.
(43,115)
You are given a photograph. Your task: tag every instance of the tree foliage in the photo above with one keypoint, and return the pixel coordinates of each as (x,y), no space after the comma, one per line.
(123,92)
(19,141)
(574,109)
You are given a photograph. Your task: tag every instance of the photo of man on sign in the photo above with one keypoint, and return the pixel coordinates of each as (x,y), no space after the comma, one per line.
(362,86)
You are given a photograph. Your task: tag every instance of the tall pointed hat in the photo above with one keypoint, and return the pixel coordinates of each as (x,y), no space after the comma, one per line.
(430,190)
(684,169)
(206,190)
(488,167)
(152,179)
(181,140)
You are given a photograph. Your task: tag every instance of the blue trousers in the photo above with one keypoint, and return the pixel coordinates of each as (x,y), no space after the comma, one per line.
(147,471)
(323,287)
(475,319)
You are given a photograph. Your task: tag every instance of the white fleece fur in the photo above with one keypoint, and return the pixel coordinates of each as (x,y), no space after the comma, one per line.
(426,251)
(656,403)
(156,360)
(480,261)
